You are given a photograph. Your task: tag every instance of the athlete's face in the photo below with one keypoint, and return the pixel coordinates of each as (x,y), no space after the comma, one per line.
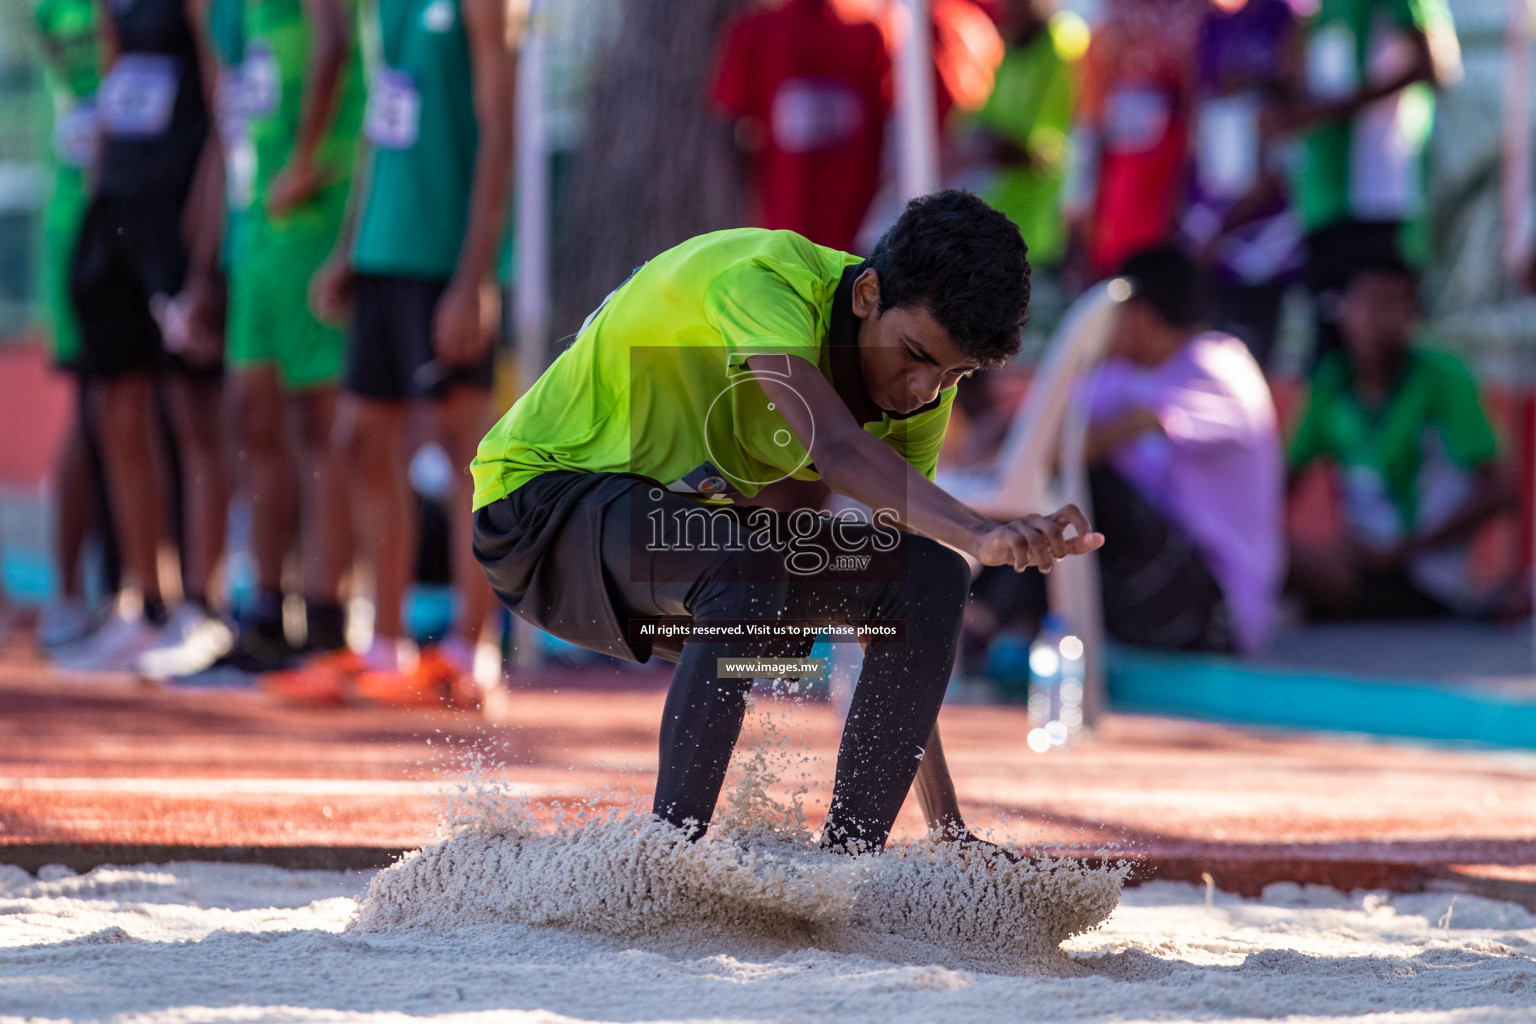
(905,356)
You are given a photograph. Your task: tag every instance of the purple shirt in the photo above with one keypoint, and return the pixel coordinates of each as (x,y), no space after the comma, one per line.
(1216,472)
(1241,58)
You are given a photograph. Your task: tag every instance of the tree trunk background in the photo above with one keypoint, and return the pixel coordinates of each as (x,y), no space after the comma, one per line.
(656,165)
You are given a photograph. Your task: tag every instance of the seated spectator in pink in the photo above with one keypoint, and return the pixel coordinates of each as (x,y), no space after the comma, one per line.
(1186,476)
(1416,458)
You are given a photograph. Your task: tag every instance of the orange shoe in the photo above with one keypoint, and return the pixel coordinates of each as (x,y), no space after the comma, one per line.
(324,679)
(431,682)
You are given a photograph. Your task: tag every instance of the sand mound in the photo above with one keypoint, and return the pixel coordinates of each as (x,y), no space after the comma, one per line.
(635,879)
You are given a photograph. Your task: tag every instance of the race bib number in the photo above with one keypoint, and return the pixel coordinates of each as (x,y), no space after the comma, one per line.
(74,135)
(261,90)
(812,114)
(1332,70)
(138,96)
(393,117)
(1227,146)
(1136,120)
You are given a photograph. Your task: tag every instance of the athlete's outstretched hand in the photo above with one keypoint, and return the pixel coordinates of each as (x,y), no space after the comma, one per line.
(1039,541)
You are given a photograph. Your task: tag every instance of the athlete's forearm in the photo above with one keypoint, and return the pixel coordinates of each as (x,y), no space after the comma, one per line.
(330,36)
(865,468)
(203,220)
(493,70)
(106,37)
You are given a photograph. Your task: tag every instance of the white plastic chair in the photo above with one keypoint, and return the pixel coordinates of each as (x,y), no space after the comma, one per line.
(1040,467)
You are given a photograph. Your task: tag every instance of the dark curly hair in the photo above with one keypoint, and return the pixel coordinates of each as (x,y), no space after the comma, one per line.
(966,263)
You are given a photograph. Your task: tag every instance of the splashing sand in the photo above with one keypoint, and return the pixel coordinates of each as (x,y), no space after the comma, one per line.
(757,882)
(636,879)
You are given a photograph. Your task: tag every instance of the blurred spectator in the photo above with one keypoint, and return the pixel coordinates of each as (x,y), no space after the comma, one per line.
(1238,219)
(417,274)
(1368,69)
(808,84)
(1024,126)
(1186,477)
(1417,461)
(967,50)
(128,281)
(67,31)
(1133,130)
(298,118)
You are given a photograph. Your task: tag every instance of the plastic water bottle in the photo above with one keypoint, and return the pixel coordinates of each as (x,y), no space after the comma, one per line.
(1055,686)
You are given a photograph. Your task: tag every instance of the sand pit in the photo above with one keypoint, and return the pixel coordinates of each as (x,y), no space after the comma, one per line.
(203,942)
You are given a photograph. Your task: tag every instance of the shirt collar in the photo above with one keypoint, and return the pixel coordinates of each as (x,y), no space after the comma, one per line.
(843,356)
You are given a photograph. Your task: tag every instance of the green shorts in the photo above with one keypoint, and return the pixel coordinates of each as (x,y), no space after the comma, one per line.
(270,323)
(61,227)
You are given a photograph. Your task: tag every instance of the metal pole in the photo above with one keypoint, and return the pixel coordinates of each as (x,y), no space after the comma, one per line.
(919,167)
(531,290)
(1516,190)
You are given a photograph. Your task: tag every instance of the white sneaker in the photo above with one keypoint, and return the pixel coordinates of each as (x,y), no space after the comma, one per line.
(191,642)
(65,622)
(115,646)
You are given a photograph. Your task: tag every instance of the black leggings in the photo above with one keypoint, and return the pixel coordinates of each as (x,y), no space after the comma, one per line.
(919,582)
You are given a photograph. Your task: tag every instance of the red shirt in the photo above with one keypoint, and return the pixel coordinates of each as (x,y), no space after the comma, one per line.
(816,82)
(1137,91)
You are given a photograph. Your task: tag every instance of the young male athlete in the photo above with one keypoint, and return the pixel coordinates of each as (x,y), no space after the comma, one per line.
(67,31)
(300,107)
(731,361)
(418,277)
(130,268)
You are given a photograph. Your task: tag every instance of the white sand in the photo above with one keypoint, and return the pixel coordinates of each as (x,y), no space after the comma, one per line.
(204,942)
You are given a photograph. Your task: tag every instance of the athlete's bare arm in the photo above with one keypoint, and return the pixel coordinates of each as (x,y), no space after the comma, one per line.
(855,463)
(462,325)
(330,37)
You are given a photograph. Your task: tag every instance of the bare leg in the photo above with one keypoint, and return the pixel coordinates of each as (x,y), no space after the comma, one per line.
(195,408)
(72,509)
(463,416)
(262,461)
(372,435)
(127,419)
(327,534)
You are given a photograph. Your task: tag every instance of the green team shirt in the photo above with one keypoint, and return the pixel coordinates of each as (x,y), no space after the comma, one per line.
(1434,421)
(421,128)
(656,383)
(1031,106)
(1372,166)
(277,42)
(67,29)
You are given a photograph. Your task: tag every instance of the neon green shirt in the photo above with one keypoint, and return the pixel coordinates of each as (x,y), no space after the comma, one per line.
(655,382)
(1031,106)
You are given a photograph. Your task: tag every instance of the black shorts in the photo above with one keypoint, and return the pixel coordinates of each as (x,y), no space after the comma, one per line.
(129,250)
(390,355)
